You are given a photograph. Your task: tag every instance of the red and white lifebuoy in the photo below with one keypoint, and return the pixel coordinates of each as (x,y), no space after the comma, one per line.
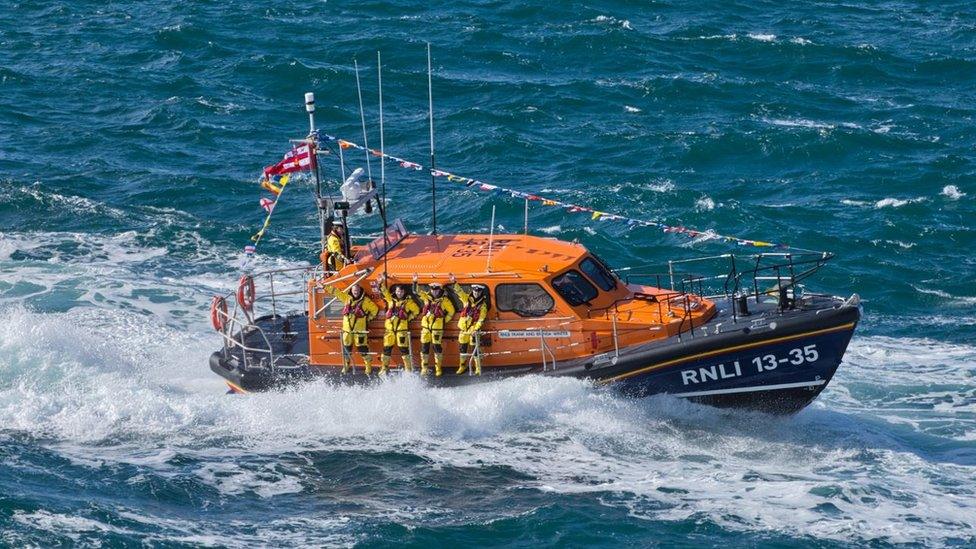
(218,313)
(246,293)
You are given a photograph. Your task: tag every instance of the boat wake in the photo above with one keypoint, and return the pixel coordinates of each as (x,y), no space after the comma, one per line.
(102,379)
(874,459)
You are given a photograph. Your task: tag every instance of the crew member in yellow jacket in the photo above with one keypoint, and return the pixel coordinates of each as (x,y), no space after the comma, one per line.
(474,312)
(336,248)
(358,311)
(400,310)
(436,313)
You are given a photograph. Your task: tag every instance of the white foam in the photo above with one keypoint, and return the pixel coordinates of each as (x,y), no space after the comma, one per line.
(120,270)
(662,186)
(946,295)
(69,525)
(762,37)
(799,123)
(622,23)
(952,192)
(630,109)
(899,243)
(139,390)
(116,381)
(704,204)
(896,202)
(74,203)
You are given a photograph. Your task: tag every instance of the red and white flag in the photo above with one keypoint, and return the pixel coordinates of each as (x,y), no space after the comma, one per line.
(298,159)
(267,204)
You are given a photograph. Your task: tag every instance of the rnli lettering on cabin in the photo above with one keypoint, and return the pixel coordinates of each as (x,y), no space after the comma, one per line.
(571,208)
(535,334)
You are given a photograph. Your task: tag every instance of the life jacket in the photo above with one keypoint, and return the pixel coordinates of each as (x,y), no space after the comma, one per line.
(473,310)
(398,311)
(354,308)
(434,309)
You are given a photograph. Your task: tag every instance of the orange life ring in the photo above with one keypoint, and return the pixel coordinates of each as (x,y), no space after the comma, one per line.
(246,292)
(218,313)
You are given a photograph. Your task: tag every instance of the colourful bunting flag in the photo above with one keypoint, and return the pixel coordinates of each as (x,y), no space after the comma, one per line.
(595,215)
(267,185)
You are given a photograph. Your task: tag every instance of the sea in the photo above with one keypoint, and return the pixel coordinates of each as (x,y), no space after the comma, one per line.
(132,139)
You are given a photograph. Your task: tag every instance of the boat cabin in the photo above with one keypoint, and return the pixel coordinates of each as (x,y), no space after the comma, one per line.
(550,300)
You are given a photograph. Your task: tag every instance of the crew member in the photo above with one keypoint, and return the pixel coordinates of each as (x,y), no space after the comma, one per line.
(335,245)
(474,311)
(400,310)
(436,313)
(358,311)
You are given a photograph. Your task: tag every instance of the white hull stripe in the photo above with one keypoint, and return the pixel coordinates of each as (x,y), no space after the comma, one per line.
(752,389)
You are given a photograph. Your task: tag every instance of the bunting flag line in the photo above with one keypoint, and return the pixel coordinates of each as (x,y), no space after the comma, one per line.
(572,208)
(270,209)
(299,158)
(267,185)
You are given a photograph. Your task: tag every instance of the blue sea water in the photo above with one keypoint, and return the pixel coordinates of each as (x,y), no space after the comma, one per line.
(131,137)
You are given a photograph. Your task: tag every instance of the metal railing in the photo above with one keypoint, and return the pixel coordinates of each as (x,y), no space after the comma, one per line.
(735,278)
(239,323)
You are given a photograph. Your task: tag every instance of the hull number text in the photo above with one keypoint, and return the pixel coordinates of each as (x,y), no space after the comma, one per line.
(764,363)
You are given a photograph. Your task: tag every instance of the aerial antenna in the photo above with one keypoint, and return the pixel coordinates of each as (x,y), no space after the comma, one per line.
(433,187)
(362,119)
(491,237)
(379,77)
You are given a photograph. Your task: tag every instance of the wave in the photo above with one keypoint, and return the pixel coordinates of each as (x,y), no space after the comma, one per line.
(952,192)
(140,392)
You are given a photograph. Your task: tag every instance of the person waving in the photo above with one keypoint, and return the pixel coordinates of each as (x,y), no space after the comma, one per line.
(437,311)
(400,310)
(474,312)
(359,310)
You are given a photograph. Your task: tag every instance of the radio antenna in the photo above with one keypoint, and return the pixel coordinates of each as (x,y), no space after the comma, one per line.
(362,119)
(433,186)
(379,77)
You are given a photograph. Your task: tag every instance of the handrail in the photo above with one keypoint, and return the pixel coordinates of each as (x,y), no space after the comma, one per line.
(332,282)
(787,269)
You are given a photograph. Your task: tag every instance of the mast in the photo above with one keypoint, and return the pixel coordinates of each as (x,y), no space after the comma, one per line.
(433,186)
(313,150)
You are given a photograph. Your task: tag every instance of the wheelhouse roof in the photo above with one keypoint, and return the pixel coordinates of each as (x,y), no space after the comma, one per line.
(530,257)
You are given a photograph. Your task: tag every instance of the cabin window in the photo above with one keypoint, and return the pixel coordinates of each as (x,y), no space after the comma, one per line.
(524,299)
(574,288)
(598,273)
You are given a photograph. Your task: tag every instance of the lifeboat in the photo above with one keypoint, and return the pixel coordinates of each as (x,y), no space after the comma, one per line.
(732,330)
(556,309)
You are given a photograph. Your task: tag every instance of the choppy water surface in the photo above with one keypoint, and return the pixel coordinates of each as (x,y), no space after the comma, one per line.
(130,138)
